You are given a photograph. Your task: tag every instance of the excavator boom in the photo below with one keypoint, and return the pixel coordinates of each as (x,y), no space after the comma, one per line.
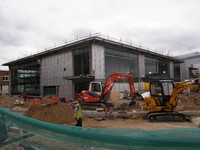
(192,84)
(115,77)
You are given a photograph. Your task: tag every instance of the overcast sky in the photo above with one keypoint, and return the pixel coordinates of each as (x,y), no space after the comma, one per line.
(164,26)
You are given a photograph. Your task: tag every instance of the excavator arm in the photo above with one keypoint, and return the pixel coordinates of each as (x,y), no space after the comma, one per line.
(115,77)
(98,96)
(191,84)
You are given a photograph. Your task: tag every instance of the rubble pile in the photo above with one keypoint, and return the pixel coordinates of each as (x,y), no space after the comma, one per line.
(45,99)
(189,102)
(6,101)
(61,113)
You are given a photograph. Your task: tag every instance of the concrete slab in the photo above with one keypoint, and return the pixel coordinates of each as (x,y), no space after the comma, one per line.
(196,121)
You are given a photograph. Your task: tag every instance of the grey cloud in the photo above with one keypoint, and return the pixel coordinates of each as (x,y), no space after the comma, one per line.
(80,32)
(14,28)
(162,39)
(72,35)
(176,39)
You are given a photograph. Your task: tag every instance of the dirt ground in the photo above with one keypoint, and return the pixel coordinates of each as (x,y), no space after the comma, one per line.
(138,123)
(62,113)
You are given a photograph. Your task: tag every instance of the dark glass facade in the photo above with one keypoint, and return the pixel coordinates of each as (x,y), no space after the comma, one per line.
(177,73)
(118,61)
(26,79)
(81,61)
(156,67)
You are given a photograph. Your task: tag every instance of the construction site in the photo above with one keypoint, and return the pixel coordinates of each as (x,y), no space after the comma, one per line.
(130,98)
(120,116)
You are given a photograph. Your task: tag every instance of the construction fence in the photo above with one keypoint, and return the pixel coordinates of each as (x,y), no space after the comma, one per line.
(108,138)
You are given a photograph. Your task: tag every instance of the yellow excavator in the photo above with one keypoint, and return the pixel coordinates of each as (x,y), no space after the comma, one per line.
(163,99)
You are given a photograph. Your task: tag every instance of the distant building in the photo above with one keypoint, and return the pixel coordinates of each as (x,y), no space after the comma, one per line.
(67,69)
(4,82)
(191,65)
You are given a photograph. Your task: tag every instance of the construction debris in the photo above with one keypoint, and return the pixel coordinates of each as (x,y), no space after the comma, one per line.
(19,102)
(63,113)
(7,101)
(189,101)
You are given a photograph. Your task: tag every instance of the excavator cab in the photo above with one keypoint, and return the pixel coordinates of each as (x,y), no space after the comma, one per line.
(96,87)
(162,89)
(93,95)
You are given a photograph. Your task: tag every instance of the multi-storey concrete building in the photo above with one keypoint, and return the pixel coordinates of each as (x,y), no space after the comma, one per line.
(4,82)
(191,65)
(68,69)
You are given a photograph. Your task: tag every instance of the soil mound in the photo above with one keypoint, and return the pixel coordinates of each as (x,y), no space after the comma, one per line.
(61,113)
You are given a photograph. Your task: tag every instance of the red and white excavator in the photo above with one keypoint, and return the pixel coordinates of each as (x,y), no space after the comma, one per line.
(99,93)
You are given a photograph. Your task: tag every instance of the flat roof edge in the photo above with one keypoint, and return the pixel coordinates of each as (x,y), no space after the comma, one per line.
(90,38)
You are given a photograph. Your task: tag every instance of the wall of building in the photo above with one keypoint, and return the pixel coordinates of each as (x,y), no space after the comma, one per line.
(141,61)
(197,65)
(4,89)
(53,69)
(4,82)
(171,68)
(184,71)
(98,62)
(192,61)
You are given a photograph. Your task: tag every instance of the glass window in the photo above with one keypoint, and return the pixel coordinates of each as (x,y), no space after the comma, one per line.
(81,61)
(156,67)
(118,61)
(96,87)
(26,79)
(151,66)
(156,89)
(177,73)
(167,88)
(163,67)
(5,78)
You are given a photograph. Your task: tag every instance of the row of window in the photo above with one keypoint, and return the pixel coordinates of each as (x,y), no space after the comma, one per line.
(116,61)
(5,78)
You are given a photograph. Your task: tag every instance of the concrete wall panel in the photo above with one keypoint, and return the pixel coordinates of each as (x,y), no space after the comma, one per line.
(184,71)
(4,89)
(98,61)
(53,69)
(171,67)
(141,65)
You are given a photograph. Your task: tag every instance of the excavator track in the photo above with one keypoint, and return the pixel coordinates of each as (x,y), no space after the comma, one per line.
(167,116)
(92,106)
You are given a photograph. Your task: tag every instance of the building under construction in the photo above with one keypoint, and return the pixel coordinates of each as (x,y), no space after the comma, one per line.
(68,69)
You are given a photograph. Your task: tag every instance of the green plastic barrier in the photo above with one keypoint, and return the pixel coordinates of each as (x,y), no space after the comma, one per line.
(3,132)
(108,137)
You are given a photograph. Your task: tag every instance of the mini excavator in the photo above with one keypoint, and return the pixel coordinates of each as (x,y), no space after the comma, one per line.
(163,99)
(99,93)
